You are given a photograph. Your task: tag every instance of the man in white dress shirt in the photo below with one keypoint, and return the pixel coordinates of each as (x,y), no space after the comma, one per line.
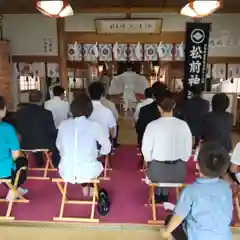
(58,106)
(77,143)
(166,147)
(148,99)
(101,114)
(111,106)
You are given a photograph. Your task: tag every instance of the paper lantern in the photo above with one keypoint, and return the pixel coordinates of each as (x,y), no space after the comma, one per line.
(200,8)
(55,8)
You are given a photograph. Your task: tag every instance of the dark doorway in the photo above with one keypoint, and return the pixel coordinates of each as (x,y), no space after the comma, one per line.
(123,66)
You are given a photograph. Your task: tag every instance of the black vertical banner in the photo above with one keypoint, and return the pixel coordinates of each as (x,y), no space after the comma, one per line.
(196,54)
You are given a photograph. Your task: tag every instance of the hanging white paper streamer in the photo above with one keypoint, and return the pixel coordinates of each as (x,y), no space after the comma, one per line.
(138,51)
(160,50)
(181,50)
(96,52)
(115,51)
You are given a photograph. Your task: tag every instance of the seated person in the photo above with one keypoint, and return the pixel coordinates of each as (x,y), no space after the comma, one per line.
(76,141)
(217,124)
(205,207)
(148,99)
(111,106)
(193,111)
(166,147)
(9,151)
(36,128)
(100,113)
(234,169)
(150,112)
(58,106)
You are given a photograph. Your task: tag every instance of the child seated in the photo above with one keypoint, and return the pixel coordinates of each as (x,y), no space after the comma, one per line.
(204,210)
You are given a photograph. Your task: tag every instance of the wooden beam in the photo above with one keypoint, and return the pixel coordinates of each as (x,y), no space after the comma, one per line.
(147,9)
(92,37)
(35,58)
(62,52)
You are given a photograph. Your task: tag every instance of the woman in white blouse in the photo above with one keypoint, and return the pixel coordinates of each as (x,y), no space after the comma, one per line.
(166,147)
(77,143)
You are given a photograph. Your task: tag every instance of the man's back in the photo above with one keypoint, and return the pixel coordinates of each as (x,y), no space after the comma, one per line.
(194,110)
(147,114)
(59,109)
(111,106)
(36,127)
(217,126)
(103,116)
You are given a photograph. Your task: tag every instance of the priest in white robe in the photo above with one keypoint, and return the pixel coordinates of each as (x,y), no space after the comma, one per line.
(77,143)
(128,83)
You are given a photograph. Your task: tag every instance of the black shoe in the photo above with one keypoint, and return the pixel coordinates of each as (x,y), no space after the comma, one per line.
(161,198)
(164,198)
(158,199)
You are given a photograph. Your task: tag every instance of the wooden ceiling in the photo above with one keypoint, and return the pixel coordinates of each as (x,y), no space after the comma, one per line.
(28,6)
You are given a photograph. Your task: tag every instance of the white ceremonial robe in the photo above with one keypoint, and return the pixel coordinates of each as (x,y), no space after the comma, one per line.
(77,143)
(128,83)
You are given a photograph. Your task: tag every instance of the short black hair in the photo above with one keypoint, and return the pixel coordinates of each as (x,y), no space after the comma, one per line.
(81,106)
(2,103)
(196,90)
(220,102)
(213,160)
(158,89)
(167,104)
(96,90)
(58,91)
(148,92)
(35,96)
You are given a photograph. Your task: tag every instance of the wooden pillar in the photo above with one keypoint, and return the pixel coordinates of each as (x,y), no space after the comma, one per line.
(6,73)
(62,52)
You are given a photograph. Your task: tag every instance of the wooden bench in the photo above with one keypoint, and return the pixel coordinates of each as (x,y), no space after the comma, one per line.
(106,169)
(15,194)
(151,197)
(48,163)
(63,186)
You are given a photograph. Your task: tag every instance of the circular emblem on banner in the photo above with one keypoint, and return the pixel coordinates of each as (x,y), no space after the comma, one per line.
(197,36)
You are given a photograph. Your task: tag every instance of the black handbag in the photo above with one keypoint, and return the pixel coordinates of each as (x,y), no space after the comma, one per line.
(103,202)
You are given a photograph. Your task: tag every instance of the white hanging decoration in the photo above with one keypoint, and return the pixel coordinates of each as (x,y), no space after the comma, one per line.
(138,51)
(96,51)
(76,49)
(181,50)
(115,51)
(160,50)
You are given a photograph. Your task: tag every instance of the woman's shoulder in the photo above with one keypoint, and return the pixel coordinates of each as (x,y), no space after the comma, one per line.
(4,126)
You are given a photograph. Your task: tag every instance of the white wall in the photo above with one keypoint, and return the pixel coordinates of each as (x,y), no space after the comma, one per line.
(27,33)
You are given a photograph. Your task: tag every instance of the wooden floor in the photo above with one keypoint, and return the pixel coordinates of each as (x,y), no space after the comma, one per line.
(76,232)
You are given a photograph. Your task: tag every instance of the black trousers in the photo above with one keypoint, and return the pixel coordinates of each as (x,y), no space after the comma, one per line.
(115,140)
(55,157)
(197,141)
(20,162)
(178,233)
(87,184)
